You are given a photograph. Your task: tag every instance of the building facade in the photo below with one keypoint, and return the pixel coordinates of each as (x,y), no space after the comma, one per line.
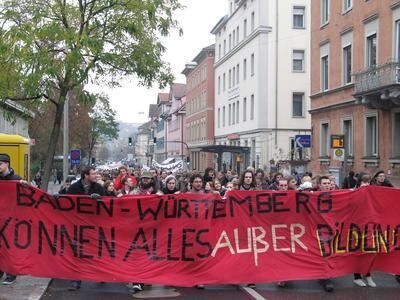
(355,83)
(142,144)
(21,115)
(262,76)
(176,122)
(161,127)
(200,108)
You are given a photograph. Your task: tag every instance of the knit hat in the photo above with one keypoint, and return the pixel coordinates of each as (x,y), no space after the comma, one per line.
(4,157)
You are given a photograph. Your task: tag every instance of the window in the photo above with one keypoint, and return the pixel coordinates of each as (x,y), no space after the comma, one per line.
(325,11)
(348,136)
(397,41)
(219,51)
(237,111)
(325,73)
(371,136)
(396,135)
(253,21)
(230,79)
(230,42)
(237,74)
(219,85)
(252,65)
(224,82)
(237,35)
(234,38)
(223,116)
(244,109)
(324,138)
(244,28)
(347,5)
(252,108)
(230,115)
(298,105)
(244,69)
(224,47)
(371,51)
(234,76)
(347,64)
(233,113)
(298,60)
(219,118)
(298,17)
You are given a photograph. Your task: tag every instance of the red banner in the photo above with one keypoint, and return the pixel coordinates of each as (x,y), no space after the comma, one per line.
(190,239)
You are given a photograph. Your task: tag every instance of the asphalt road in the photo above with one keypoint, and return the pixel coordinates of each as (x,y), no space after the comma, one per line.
(387,289)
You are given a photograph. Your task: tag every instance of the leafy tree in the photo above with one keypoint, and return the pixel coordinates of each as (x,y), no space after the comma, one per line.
(50,47)
(103,124)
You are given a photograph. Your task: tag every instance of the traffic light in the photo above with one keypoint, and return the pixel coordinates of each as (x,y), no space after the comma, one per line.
(93,161)
(154,140)
(130,141)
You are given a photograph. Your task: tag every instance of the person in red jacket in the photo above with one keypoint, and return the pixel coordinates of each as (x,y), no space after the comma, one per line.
(123,172)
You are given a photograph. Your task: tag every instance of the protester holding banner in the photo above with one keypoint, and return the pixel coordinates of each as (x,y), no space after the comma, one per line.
(109,189)
(247,181)
(196,184)
(87,185)
(274,185)
(6,173)
(365,181)
(325,186)
(170,186)
(379,179)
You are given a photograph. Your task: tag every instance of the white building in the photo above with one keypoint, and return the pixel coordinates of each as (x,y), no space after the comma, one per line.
(262,77)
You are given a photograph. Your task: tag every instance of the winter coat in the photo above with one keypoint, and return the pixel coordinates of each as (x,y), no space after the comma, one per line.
(78,189)
(10,176)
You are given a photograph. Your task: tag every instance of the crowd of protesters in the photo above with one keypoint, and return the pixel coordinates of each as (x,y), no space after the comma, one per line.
(124,181)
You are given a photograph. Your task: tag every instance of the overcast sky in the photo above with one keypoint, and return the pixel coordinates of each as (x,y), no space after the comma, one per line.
(197,20)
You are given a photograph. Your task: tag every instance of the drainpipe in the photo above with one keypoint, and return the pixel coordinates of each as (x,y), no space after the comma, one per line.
(276,71)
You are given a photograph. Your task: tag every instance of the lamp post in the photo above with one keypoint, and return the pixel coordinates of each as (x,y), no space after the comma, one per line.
(66,139)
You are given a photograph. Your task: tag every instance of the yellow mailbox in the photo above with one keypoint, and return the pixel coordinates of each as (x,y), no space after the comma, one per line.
(18,148)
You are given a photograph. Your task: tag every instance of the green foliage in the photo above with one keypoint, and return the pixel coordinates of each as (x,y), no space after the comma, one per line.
(103,124)
(55,45)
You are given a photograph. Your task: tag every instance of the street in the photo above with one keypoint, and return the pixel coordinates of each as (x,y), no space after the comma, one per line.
(387,289)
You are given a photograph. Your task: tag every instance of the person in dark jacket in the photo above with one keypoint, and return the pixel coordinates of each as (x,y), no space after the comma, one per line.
(6,173)
(87,185)
(350,181)
(380,179)
(65,187)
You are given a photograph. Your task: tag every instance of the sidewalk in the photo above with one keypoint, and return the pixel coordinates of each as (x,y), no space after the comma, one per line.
(27,287)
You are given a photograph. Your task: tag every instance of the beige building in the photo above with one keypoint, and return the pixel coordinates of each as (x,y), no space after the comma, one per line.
(355,87)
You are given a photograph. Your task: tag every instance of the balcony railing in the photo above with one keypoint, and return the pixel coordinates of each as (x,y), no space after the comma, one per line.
(377,77)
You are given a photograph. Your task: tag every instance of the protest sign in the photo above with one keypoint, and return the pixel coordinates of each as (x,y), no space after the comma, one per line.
(190,239)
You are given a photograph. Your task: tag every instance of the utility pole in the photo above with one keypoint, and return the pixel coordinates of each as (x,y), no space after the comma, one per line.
(66,139)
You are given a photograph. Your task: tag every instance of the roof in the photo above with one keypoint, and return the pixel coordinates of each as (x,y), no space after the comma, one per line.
(162,98)
(178,90)
(220,24)
(204,53)
(144,128)
(13,139)
(12,105)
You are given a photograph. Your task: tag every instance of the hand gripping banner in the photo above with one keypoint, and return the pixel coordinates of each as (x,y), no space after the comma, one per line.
(188,239)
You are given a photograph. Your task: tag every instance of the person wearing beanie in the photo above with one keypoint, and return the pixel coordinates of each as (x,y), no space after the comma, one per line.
(6,173)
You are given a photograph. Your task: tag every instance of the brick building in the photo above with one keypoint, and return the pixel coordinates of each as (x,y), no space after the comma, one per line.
(355,86)
(200,107)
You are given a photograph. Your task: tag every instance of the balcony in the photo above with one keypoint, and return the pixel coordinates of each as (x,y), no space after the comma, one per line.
(379,87)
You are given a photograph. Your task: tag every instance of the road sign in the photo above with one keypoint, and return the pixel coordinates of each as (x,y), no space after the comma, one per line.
(302,141)
(337,141)
(75,157)
(338,154)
